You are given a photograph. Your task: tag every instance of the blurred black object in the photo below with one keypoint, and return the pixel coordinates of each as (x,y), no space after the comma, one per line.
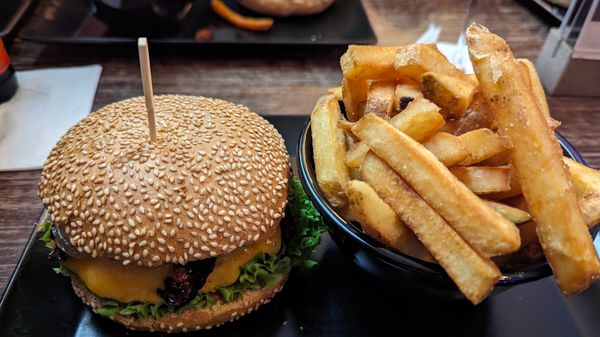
(8,80)
(11,12)
(140,15)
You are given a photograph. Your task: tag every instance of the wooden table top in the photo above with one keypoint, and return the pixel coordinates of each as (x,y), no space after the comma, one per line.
(286,83)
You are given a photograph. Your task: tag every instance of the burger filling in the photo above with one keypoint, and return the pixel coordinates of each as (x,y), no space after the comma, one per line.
(152,291)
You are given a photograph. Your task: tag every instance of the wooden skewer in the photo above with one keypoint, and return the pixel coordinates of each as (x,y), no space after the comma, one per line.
(147,84)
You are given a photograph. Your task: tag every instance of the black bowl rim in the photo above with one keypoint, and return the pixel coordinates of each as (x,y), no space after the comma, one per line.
(396,259)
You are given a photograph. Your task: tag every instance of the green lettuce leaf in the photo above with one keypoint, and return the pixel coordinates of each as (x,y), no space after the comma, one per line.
(44,228)
(62,270)
(302,230)
(303,233)
(262,271)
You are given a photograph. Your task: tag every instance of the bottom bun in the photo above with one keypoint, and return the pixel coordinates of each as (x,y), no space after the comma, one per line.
(192,319)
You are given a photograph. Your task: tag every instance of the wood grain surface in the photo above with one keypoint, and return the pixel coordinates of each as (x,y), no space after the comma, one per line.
(271,82)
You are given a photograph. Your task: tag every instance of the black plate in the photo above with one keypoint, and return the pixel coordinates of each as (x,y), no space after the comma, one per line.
(345,22)
(334,299)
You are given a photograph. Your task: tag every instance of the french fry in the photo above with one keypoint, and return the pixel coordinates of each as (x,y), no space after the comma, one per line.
(585,179)
(336,92)
(533,79)
(345,125)
(502,158)
(474,275)
(590,208)
(354,95)
(360,64)
(449,149)
(355,155)
(415,59)
(483,228)
(512,214)
(483,179)
(481,145)
(477,116)
(473,79)
(537,158)
(404,94)
(514,190)
(419,120)
(530,248)
(380,99)
(451,94)
(379,221)
(329,148)
(369,62)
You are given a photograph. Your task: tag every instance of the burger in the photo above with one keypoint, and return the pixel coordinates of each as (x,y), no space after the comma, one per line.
(284,8)
(184,233)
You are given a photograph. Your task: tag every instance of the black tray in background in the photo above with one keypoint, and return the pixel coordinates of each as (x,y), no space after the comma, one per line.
(11,12)
(345,22)
(334,299)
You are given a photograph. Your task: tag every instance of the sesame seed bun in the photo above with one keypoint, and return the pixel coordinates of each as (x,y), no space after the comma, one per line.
(215,180)
(191,319)
(285,8)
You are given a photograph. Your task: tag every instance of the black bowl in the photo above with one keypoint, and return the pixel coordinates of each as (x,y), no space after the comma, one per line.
(404,272)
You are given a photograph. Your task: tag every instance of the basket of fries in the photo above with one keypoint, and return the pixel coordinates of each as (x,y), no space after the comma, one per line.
(450,183)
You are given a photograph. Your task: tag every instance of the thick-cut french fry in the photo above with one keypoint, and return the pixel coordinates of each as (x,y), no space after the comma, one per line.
(380,99)
(419,120)
(329,148)
(481,145)
(406,93)
(474,275)
(537,158)
(530,248)
(354,95)
(590,208)
(585,179)
(359,65)
(451,94)
(379,221)
(533,79)
(512,214)
(336,92)
(355,155)
(473,79)
(514,190)
(483,179)
(415,59)
(448,148)
(502,158)
(477,116)
(345,125)
(369,62)
(483,228)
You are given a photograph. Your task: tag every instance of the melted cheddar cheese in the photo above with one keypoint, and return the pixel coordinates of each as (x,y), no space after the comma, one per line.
(227,267)
(110,279)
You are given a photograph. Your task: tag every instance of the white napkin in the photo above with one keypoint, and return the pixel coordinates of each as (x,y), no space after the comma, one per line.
(47,103)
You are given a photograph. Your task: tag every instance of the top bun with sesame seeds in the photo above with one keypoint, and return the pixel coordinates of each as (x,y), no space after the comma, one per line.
(215,180)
